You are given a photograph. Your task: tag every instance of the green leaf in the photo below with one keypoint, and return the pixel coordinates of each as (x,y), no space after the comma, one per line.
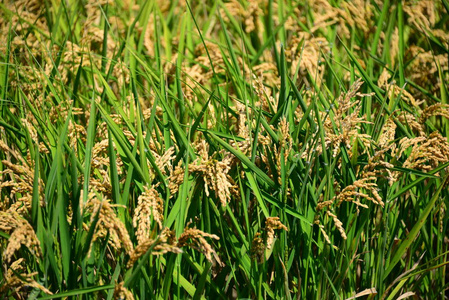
(403,247)
(78,292)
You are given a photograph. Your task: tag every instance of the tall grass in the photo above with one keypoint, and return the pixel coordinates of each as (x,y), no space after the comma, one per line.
(216,150)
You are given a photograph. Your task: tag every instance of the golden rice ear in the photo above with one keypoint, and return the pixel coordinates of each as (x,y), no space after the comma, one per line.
(285,147)
(271,224)
(21,185)
(14,279)
(421,13)
(326,237)
(363,188)
(424,66)
(22,234)
(343,128)
(122,293)
(266,73)
(164,161)
(108,223)
(349,15)
(388,133)
(163,243)
(264,98)
(195,238)
(338,224)
(438,109)
(261,246)
(377,167)
(410,120)
(176,178)
(149,206)
(305,54)
(258,248)
(426,152)
(353,192)
(213,172)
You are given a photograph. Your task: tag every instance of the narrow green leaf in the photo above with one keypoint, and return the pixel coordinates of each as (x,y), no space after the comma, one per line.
(415,230)
(89,145)
(79,292)
(256,191)
(35,203)
(202,282)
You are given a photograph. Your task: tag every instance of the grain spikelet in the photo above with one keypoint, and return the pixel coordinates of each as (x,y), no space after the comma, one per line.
(195,238)
(352,192)
(165,160)
(388,133)
(100,162)
(267,71)
(377,166)
(410,121)
(5,148)
(108,222)
(351,14)
(10,221)
(258,248)
(441,215)
(61,111)
(17,282)
(394,91)
(176,178)
(76,132)
(285,139)
(420,13)
(338,224)
(426,153)
(26,15)
(243,129)
(438,109)
(122,293)
(347,124)
(214,173)
(31,130)
(149,206)
(364,188)
(326,237)
(25,236)
(21,233)
(92,35)
(393,44)
(248,15)
(271,224)
(423,69)
(21,186)
(251,17)
(261,243)
(382,81)
(165,242)
(304,54)
(285,146)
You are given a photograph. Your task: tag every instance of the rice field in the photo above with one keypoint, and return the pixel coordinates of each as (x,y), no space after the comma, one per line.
(243,149)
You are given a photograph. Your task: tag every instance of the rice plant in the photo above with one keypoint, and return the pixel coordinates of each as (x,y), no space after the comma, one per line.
(243,149)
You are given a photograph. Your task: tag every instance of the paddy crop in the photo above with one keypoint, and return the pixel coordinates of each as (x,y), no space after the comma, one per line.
(254,149)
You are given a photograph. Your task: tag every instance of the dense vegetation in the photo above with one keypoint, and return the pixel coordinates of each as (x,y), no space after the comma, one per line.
(254,149)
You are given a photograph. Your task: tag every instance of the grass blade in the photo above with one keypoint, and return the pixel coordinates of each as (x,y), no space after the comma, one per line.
(415,230)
